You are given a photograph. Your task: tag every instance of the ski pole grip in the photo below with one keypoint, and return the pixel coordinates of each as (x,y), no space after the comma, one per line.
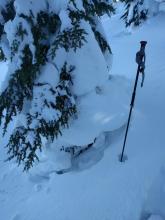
(143,44)
(141,53)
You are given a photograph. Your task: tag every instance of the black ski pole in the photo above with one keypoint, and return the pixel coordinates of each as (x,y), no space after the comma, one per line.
(140,60)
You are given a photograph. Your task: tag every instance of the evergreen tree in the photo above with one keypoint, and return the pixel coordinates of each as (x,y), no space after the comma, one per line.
(135,12)
(39,40)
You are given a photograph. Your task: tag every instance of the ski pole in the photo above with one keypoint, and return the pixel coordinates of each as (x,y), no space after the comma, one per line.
(140,60)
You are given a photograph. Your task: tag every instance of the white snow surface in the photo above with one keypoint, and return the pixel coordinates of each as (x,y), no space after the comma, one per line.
(98,186)
(3,71)
(155,217)
(106,111)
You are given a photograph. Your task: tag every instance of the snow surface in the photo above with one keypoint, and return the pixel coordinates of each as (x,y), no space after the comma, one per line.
(3,71)
(99,187)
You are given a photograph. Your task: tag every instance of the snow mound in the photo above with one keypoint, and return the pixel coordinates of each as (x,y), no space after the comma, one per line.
(103,109)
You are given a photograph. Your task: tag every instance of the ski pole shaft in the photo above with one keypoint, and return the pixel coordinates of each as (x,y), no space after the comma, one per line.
(140,59)
(130,113)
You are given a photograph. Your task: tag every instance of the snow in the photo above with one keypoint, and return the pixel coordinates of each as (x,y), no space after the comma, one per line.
(100,112)
(98,186)
(47,72)
(3,71)
(155,217)
(25,8)
(162,6)
(155,200)
(88,76)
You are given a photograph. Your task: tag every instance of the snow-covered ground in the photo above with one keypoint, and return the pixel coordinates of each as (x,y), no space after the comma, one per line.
(100,187)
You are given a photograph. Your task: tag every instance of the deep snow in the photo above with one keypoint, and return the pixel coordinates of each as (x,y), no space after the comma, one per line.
(100,187)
